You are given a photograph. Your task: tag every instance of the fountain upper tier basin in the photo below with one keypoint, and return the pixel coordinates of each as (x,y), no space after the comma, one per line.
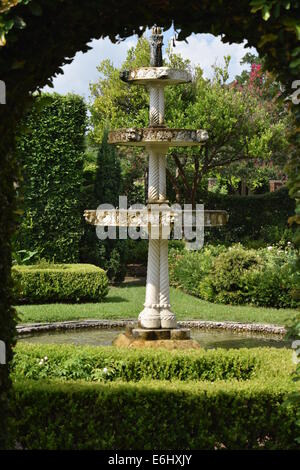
(158,136)
(155,76)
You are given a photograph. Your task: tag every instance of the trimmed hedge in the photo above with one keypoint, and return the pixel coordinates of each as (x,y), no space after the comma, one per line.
(50,147)
(260,216)
(59,283)
(153,415)
(69,362)
(180,399)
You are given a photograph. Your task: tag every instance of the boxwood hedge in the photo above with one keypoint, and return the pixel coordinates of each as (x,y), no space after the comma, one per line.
(151,399)
(92,363)
(59,283)
(152,415)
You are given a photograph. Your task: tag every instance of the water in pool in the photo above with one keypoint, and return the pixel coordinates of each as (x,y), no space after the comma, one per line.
(208,339)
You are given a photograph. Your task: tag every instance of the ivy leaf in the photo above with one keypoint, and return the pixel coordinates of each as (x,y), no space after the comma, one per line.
(18,64)
(19,22)
(35,9)
(295,52)
(295,63)
(267,38)
(266,13)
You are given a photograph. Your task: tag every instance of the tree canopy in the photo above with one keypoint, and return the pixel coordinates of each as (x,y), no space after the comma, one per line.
(242,126)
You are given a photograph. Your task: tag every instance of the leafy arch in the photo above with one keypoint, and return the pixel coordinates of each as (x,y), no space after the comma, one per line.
(38,36)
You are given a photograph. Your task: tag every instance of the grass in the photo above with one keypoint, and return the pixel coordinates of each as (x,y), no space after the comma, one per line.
(126,303)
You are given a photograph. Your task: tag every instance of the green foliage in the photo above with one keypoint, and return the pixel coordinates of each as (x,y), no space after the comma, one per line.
(48,282)
(263,277)
(225,282)
(152,415)
(259,217)
(230,399)
(241,126)
(84,362)
(24,257)
(136,251)
(7,313)
(187,268)
(108,182)
(293,332)
(50,147)
(103,185)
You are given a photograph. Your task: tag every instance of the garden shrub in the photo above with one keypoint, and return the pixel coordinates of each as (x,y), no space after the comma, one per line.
(153,415)
(70,362)
(241,276)
(103,185)
(237,275)
(188,268)
(143,399)
(50,145)
(225,283)
(261,217)
(59,283)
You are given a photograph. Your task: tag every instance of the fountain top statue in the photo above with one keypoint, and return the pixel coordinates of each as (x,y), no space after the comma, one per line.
(156,43)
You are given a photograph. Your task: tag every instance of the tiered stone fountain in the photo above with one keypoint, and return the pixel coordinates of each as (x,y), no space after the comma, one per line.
(157,320)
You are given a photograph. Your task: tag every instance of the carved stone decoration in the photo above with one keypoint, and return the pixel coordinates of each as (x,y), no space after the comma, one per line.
(155,76)
(161,217)
(158,136)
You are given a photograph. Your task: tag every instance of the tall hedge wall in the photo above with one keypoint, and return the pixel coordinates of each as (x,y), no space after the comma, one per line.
(251,216)
(7,313)
(152,414)
(50,147)
(150,399)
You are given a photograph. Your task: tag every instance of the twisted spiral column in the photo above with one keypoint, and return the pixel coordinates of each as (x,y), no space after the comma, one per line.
(167,317)
(153,177)
(157,310)
(162,178)
(154,105)
(150,316)
(161,106)
(157,106)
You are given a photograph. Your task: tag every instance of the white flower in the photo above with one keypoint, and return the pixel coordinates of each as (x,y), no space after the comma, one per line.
(269,248)
(105,370)
(41,362)
(45,358)
(289,243)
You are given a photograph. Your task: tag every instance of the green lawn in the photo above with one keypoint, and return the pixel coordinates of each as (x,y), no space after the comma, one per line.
(126,302)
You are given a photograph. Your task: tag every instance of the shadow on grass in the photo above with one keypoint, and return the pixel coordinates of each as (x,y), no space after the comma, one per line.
(114,299)
(133,282)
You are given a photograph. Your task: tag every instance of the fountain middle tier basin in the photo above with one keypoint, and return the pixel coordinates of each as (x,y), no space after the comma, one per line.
(146,217)
(160,136)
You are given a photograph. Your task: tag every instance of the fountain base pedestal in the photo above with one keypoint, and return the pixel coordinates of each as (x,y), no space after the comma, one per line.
(161,333)
(175,338)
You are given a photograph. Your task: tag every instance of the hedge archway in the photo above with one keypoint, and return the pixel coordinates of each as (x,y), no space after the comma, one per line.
(38,36)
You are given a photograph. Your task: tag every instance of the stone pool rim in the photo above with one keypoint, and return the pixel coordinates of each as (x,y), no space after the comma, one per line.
(30,328)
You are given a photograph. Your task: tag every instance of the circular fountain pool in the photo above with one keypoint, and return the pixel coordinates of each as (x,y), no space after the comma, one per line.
(208,338)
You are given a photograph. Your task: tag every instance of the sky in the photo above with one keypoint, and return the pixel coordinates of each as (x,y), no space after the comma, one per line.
(201,49)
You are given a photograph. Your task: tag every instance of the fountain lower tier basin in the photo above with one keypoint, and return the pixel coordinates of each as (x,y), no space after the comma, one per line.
(158,136)
(153,218)
(206,338)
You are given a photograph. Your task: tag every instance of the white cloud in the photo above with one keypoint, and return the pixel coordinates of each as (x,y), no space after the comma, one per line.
(206,49)
(83,70)
(202,49)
